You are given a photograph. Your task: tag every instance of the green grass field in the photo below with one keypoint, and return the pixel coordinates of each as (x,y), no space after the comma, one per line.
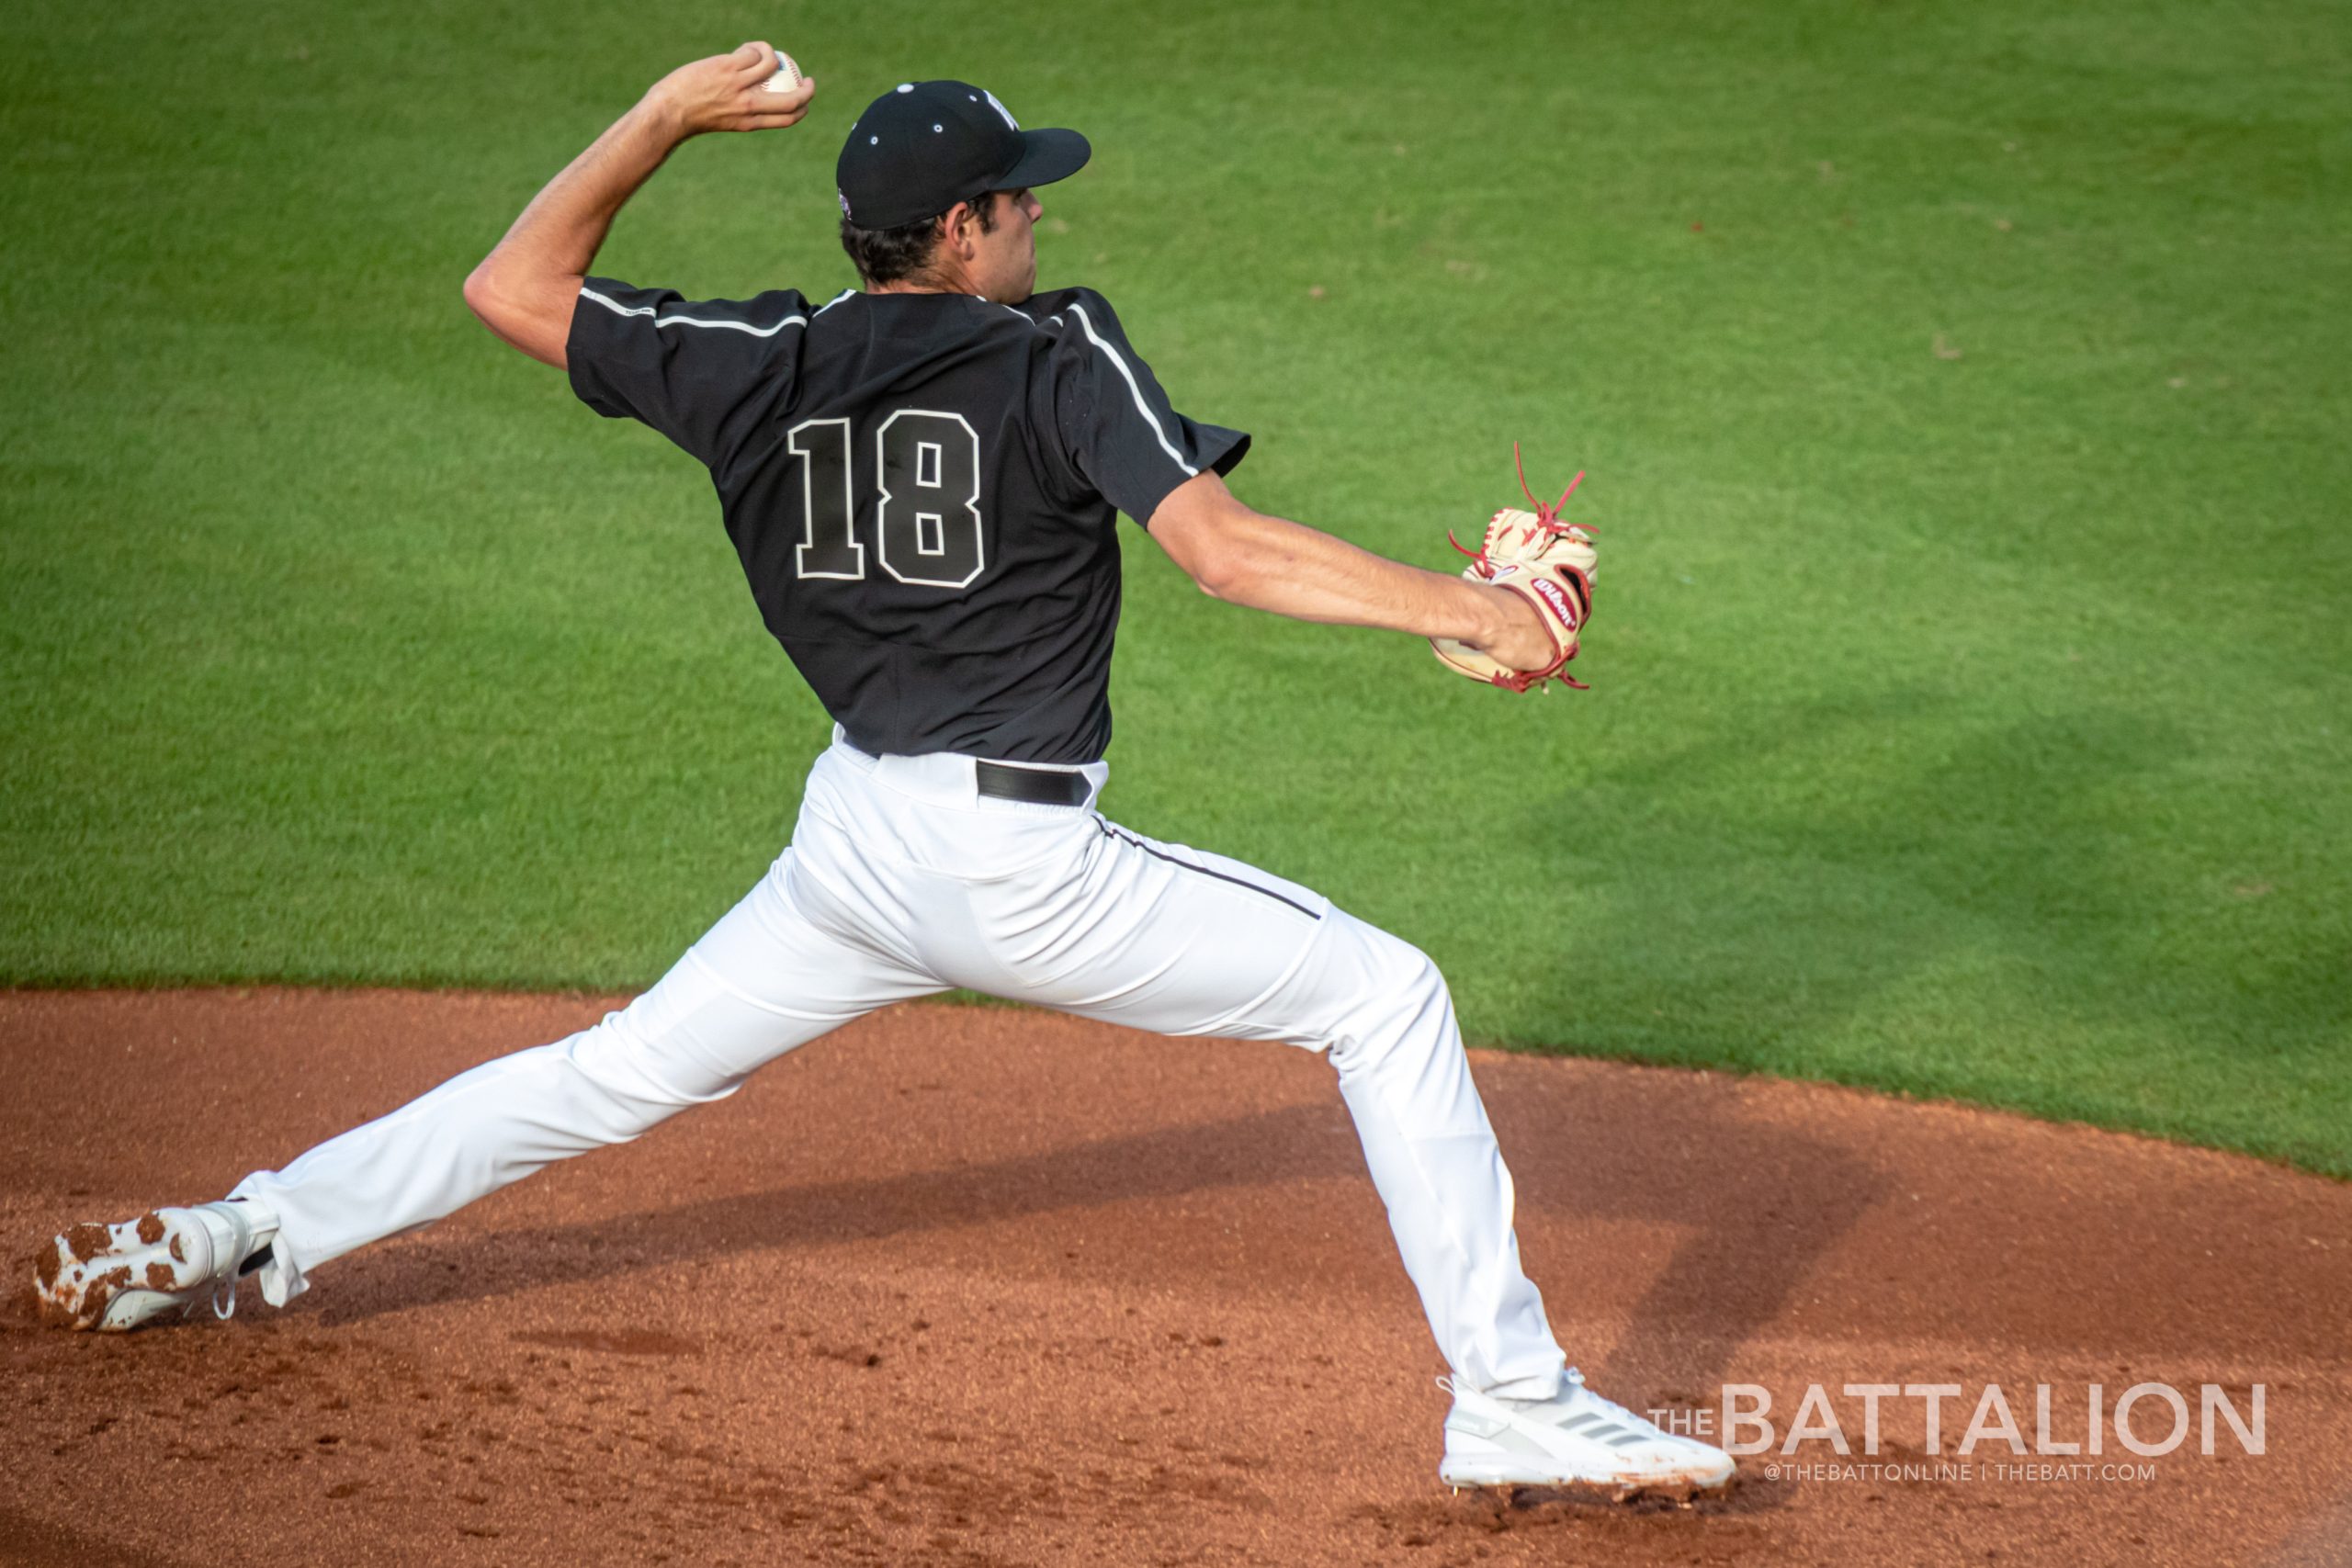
(1964,389)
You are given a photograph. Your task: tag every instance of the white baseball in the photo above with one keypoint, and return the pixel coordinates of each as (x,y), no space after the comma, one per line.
(787,75)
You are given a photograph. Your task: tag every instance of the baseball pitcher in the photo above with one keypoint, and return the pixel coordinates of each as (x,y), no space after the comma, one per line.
(923,478)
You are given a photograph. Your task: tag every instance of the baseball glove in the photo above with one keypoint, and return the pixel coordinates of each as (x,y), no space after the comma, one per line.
(1546,562)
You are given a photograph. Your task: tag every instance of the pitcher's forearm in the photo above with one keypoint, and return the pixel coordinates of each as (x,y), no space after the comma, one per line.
(1291,569)
(565,224)
(527,289)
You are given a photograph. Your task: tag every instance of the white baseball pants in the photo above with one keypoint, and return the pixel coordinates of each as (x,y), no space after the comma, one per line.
(903,881)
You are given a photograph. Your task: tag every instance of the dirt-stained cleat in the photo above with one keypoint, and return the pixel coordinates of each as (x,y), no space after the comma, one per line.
(1574,1439)
(167,1261)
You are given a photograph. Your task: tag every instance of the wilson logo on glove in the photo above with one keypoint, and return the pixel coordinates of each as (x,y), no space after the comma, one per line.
(1557,597)
(1549,563)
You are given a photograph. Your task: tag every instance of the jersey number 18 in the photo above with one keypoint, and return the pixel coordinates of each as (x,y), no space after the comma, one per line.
(927,508)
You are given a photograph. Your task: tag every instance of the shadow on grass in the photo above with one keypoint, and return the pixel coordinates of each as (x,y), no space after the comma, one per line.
(1884,864)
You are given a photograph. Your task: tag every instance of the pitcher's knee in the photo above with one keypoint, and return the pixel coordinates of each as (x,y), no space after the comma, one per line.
(1429,1004)
(637,1056)
(1412,975)
(1402,1004)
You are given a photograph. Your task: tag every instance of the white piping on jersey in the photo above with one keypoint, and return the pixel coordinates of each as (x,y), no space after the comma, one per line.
(835,300)
(619,308)
(1133,390)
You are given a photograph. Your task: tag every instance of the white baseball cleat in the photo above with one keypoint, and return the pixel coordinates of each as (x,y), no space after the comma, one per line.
(113,1278)
(1575,1438)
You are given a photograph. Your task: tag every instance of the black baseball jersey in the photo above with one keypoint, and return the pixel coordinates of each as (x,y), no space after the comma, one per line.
(924,490)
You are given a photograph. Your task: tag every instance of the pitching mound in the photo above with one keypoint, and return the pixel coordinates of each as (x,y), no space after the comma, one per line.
(979,1286)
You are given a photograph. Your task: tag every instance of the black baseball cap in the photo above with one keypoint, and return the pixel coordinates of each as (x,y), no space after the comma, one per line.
(919,150)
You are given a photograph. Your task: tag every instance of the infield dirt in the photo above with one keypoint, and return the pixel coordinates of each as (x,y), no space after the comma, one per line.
(966,1286)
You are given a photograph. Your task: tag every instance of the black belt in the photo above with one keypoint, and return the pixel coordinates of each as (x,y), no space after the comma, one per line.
(1038,786)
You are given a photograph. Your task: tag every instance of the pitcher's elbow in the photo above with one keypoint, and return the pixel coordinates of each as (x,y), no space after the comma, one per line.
(1226,573)
(481,293)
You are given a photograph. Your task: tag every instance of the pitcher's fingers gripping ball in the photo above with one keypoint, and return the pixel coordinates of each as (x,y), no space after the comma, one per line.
(1547,562)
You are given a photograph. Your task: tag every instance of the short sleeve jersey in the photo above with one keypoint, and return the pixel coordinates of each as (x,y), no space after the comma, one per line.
(924,490)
